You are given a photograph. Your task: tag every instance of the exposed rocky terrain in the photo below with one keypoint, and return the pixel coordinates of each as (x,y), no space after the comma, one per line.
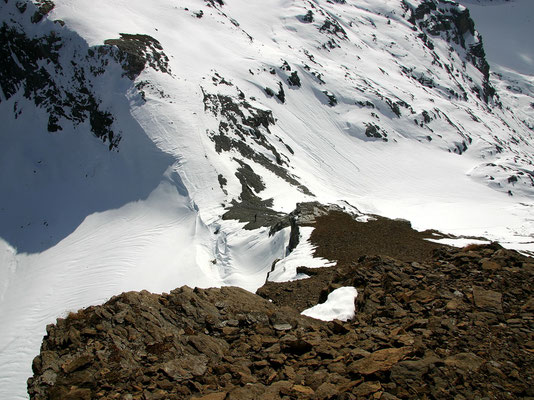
(456,324)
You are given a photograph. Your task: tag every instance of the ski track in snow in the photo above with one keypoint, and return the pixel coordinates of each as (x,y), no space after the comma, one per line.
(149,217)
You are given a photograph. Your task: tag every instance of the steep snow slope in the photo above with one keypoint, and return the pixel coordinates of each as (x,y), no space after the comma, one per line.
(389,80)
(243,110)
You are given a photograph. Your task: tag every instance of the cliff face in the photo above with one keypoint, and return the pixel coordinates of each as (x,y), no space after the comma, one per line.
(459,325)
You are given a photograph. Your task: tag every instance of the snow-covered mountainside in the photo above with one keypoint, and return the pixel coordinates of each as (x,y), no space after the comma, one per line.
(148,145)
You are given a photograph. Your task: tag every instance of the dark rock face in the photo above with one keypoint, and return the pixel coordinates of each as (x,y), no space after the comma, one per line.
(44,7)
(136,51)
(294,79)
(308,18)
(453,23)
(57,71)
(250,208)
(35,66)
(374,131)
(444,328)
(214,3)
(245,129)
(241,123)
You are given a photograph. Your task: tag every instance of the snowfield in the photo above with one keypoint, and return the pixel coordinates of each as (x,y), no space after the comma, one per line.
(385,117)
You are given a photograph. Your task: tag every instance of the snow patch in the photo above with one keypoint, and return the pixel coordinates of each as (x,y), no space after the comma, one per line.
(339,305)
(458,242)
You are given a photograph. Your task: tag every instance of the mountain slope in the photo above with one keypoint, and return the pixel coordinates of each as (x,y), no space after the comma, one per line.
(213,112)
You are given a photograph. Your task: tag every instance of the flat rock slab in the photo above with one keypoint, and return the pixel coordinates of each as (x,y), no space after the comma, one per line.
(380,360)
(465,361)
(489,300)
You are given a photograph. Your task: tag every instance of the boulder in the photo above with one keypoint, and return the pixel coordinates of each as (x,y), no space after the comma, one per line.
(489,300)
(380,360)
(464,362)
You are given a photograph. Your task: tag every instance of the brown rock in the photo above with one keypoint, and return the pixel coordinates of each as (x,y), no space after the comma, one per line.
(174,371)
(193,342)
(338,327)
(454,304)
(326,391)
(424,296)
(529,305)
(49,359)
(78,394)
(282,327)
(77,363)
(489,300)
(248,392)
(303,390)
(245,378)
(412,369)
(359,353)
(464,361)
(212,347)
(337,367)
(489,265)
(493,368)
(367,388)
(291,344)
(381,360)
(466,254)
(388,396)
(185,367)
(73,394)
(405,340)
(289,372)
(529,267)
(316,379)
(49,377)
(212,396)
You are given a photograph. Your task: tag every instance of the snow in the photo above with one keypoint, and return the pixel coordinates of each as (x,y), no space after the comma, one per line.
(302,256)
(458,242)
(339,305)
(89,223)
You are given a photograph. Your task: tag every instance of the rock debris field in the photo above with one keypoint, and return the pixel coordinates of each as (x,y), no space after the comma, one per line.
(458,325)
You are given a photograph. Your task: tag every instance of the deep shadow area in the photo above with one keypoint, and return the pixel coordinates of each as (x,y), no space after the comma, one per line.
(51,183)
(61,154)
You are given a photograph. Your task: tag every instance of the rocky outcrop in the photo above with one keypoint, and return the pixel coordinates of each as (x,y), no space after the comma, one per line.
(188,342)
(459,325)
(35,66)
(452,22)
(138,51)
(56,69)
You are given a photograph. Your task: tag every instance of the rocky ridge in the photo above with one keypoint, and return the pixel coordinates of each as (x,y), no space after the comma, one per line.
(458,324)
